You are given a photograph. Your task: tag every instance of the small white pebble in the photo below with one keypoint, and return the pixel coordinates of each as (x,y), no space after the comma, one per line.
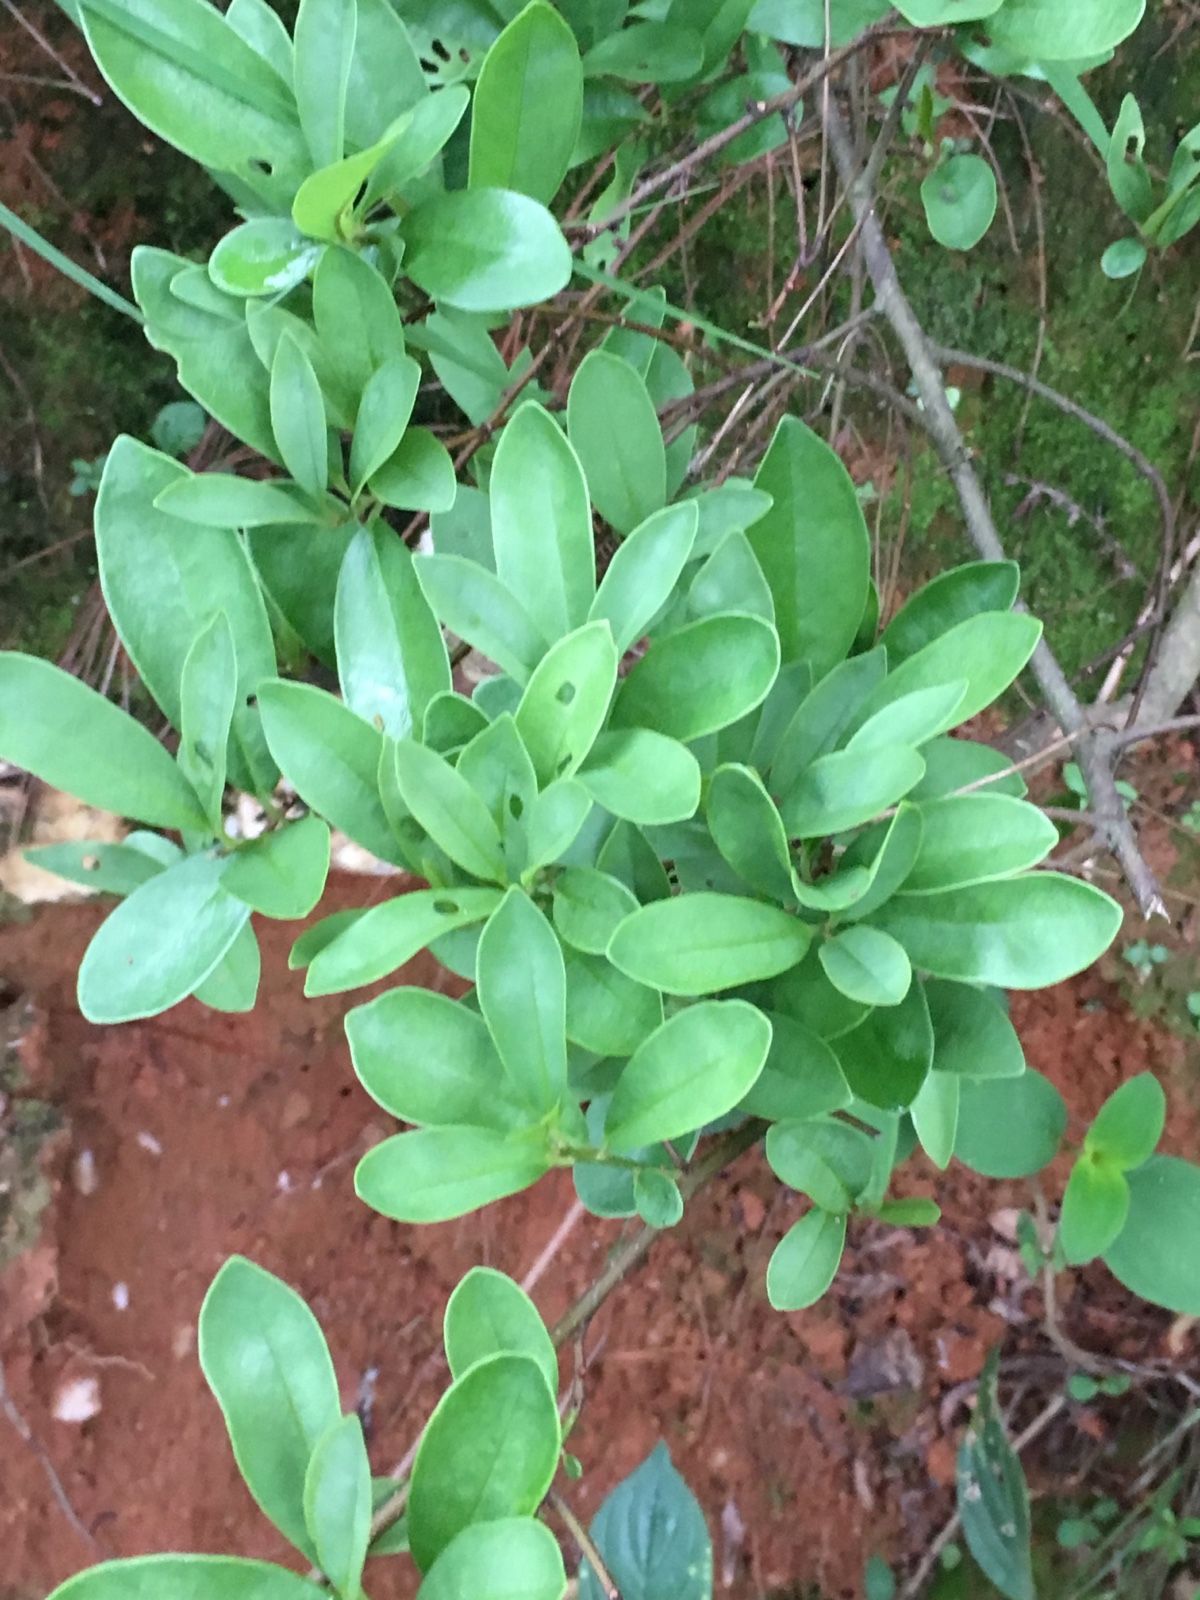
(83,1173)
(149,1142)
(222,1101)
(120,1296)
(76,1399)
(284,1183)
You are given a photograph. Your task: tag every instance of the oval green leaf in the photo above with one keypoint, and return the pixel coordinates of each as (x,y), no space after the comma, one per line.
(699,943)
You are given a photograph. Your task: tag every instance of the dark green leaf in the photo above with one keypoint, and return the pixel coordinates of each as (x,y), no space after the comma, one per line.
(800,1079)
(731,580)
(322,933)
(606,1011)
(949,599)
(651,1535)
(806,994)
(1157,1252)
(266,1361)
(812,546)
(160,943)
(748,831)
(588,906)
(298,566)
(822,715)
(298,417)
(805,1260)
(528,106)
(887,1056)
(692,1070)
(522,994)
(952,764)
(282,874)
(700,679)
(647,52)
(627,855)
(973,1037)
(489,1450)
(704,942)
(891,857)
(388,935)
(488,1314)
(1009,1127)
(497,766)
(485,250)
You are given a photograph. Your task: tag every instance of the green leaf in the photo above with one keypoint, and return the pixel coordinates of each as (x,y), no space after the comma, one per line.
(950,598)
(748,831)
(388,935)
(657,1198)
(607,1012)
(813,547)
(644,571)
(179,427)
(842,791)
(643,777)
(221,500)
(699,943)
(386,77)
(430,1060)
(987,650)
(160,943)
(232,985)
(485,250)
(887,1057)
(732,504)
(993,1500)
(357,319)
(867,966)
(700,679)
(890,861)
(497,766)
(731,580)
(480,608)
(973,1037)
(828,1161)
(952,764)
(1123,258)
(107,868)
(452,722)
(186,1578)
(912,719)
(1043,30)
(1009,1127)
(805,1260)
(647,52)
(337,1504)
(542,523)
(960,197)
(208,693)
(449,810)
(627,855)
(554,823)
(383,415)
(426,129)
(934,1114)
(265,256)
(1025,932)
(1095,1206)
(71,738)
(973,838)
(804,22)
(324,44)
(489,1451)
(322,933)
(614,430)
(1129,1124)
(915,1213)
(332,758)
(1157,1252)
(691,1070)
(651,1535)
(391,655)
(588,907)
(323,199)
(528,106)
(437,1174)
(807,995)
(800,1079)
(496,1560)
(489,1314)
(298,417)
(282,874)
(940,13)
(566,701)
(266,1361)
(1127,175)
(823,715)
(298,566)
(184,72)
(522,994)
(419,475)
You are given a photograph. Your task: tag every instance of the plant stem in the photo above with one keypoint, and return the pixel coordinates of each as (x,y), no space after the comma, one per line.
(587,1547)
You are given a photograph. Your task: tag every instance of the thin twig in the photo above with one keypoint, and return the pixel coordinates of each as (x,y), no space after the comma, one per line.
(8,1406)
(75,81)
(559,1237)
(587,1546)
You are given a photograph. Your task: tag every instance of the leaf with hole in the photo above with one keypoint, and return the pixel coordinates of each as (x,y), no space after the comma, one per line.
(993,1500)
(388,935)
(566,701)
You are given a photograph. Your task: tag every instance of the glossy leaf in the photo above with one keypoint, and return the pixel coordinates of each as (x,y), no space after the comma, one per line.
(186,1578)
(480,608)
(800,1079)
(488,1314)
(528,106)
(700,679)
(812,545)
(265,256)
(1130,1123)
(972,838)
(298,566)
(430,1060)
(644,571)
(818,722)
(693,1069)
(850,787)
(207,695)
(449,810)
(232,985)
(489,1450)
(426,129)
(960,198)
(614,430)
(806,1260)
(607,1012)
(806,994)
(337,1504)
(934,1114)
(160,943)
(993,1500)
(699,943)
(298,417)
(1009,1127)
(485,250)
(566,701)
(887,1056)
(383,414)
(282,874)
(973,1037)
(651,1535)
(748,830)
(1025,932)
(388,935)
(437,1174)
(522,994)
(542,523)
(1094,1209)
(496,1560)
(643,777)
(947,600)
(1157,1252)
(912,719)
(266,1361)
(331,757)
(867,966)
(1042,30)
(70,737)
(386,77)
